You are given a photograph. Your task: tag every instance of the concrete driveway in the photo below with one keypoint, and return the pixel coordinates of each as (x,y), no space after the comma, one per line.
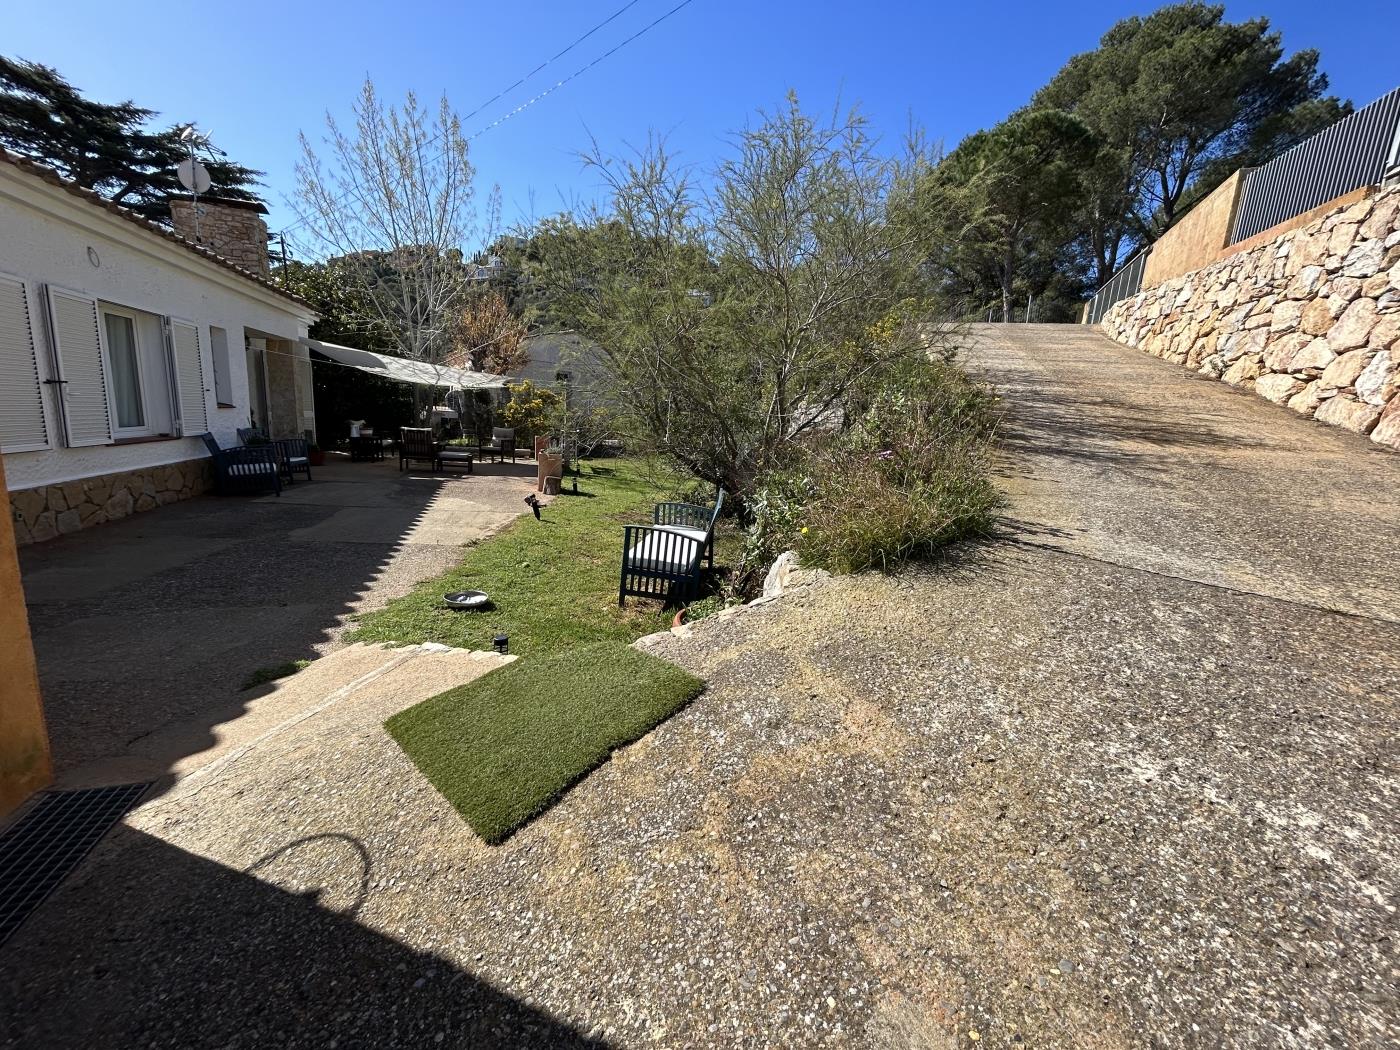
(1125,778)
(154,622)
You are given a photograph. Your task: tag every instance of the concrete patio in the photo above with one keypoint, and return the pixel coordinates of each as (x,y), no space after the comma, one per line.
(149,626)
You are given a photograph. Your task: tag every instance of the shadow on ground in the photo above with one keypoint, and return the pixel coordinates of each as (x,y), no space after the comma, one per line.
(159,620)
(256,966)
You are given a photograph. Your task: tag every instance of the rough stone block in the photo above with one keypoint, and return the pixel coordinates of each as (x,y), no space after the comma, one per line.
(1345,411)
(1278,388)
(1343,371)
(1353,326)
(1364,259)
(1376,383)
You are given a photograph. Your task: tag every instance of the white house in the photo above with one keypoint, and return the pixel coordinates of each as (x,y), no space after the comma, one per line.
(121,342)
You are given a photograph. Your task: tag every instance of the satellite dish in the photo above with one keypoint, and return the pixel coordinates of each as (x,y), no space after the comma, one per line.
(194,176)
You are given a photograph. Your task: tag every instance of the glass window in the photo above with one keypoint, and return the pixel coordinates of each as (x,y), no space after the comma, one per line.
(124,357)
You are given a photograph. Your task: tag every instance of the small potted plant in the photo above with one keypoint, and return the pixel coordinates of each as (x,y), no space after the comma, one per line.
(316,455)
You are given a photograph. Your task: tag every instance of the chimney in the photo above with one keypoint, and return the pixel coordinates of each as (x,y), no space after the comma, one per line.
(231,228)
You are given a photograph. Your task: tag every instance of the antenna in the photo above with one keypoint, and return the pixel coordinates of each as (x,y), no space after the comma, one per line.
(193,175)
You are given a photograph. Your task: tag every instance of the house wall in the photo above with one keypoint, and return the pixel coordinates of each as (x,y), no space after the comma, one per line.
(24,741)
(1198,237)
(49,236)
(1310,319)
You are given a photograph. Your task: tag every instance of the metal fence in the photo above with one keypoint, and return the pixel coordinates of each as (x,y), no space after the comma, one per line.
(1356,151)
(1127,281)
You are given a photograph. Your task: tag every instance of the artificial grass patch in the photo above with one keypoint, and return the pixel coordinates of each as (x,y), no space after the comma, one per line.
(503,748)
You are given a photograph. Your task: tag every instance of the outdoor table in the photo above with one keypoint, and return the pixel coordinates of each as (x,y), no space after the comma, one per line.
(366,447)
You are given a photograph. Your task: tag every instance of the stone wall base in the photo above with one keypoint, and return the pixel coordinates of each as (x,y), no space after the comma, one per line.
(57,510)
(1310,319)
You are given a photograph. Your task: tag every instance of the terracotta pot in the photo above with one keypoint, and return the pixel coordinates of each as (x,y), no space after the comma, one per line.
(317,457)
(679,620)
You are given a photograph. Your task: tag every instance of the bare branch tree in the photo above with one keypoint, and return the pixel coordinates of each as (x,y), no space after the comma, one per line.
(392,202)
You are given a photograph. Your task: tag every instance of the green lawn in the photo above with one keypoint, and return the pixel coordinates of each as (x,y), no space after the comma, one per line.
(554,583)
(501,749)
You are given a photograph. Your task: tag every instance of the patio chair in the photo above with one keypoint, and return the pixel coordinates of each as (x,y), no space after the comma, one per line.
(416,444)
(666,559)
(293,454)
(244,469)
(502,443)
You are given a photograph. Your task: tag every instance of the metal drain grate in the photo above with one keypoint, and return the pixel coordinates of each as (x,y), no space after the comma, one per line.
(47,843)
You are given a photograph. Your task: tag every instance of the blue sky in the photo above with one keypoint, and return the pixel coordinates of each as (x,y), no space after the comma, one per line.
(256,73)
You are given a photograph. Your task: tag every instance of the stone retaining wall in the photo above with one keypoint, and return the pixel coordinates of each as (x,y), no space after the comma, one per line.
(1310,320)
(56,510)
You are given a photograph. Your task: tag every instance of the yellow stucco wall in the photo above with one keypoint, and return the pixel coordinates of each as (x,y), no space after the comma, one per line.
(1198,238)
(24,742)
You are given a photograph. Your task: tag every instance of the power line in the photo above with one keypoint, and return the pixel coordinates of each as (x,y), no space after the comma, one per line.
(506,91)
(548,91)
(579,72)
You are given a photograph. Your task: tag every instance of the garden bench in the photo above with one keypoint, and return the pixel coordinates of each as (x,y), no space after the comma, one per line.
(243,469)
(667,558)
(293,454)
(416,445)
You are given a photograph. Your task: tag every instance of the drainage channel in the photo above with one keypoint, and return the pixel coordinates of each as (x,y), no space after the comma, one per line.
(39,850)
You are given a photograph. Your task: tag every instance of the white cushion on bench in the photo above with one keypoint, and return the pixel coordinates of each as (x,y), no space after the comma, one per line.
(698,535)
(251,468)
(460,456)
(298,461)
(664,554)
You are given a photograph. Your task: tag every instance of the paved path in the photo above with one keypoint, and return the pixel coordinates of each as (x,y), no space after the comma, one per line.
(1125,779)
(1117,455)
(149,626)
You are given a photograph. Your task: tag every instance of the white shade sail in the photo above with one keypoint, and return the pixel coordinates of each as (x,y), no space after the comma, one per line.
(405,371)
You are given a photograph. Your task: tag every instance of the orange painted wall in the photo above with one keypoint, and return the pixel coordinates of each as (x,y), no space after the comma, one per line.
(24,741)
(1198,237)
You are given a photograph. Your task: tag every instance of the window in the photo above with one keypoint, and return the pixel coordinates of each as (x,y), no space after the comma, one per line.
(123,358)
(223,380)
(138,366)
(120,373)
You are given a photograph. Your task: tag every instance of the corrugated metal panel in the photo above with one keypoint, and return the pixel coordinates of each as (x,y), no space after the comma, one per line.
(1126,282)
(1353,152)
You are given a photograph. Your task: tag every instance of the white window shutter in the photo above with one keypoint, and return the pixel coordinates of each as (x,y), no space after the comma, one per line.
(82,372)
(22,426)
(189,378)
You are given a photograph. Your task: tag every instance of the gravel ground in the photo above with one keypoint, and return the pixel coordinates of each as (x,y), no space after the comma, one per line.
(1079,787)
(1169,821)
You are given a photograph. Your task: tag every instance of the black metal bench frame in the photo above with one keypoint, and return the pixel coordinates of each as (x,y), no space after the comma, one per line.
(261,468)
(682,559)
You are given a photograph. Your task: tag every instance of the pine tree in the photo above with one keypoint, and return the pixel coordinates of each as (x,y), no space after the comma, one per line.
(108,148)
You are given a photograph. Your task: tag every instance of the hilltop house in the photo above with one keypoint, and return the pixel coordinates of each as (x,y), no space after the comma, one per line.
(122,341)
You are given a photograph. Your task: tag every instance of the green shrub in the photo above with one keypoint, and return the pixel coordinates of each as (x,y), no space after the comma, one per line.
(909,476)
(912,476)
